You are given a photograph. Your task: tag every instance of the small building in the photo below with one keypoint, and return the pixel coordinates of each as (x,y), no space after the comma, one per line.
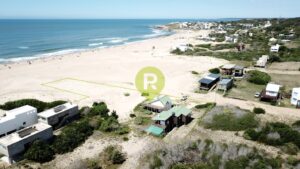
(238,71)
(209,81)
(275,48)
(16,119)
(232,70)
(262,61)
(271,93)
(175,117)
(13,145)
(228,69)
(295,99)
(59,115)
(159,104)
(225,84)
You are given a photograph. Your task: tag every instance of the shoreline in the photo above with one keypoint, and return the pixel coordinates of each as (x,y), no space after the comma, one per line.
(67,51)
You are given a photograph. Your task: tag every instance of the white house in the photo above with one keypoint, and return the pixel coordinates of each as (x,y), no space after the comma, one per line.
(262,61)
(17,119)
(295,99)
(59,115)
(12,145)
(272,90)
(275,48)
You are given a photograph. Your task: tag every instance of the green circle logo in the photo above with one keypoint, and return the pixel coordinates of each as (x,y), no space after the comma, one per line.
(150,81)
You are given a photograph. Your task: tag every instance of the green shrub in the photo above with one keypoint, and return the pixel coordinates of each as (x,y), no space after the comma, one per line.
(290,148)
(114,155)
(195,73)
(258,77)
(239,163)
(229,122)
(99,109)
(258,110)
(214,70)
(206,105)
(126,94)
(39,105)
(293,161)
(156,162)
(93,164)
(287,134)
(142,120)
(72,136)
(204,46)
(39,151)
(132,115)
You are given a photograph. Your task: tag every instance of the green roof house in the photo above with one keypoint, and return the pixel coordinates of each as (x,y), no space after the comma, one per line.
(175,117)
(159,104)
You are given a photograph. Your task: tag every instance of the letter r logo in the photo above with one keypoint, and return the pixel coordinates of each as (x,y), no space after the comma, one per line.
(150,81)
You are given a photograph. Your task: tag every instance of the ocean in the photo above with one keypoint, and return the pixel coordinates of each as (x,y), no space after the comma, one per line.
(30,39)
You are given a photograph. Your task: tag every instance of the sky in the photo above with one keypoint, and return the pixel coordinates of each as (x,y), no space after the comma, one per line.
(147,9)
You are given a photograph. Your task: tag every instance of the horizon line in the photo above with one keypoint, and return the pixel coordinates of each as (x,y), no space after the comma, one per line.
(145,18)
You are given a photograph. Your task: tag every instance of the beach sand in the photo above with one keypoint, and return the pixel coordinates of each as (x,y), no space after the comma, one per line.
(105,74)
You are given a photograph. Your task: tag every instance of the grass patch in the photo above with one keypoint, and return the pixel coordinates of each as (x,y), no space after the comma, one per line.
(229,122)
(244,90)
(142,120)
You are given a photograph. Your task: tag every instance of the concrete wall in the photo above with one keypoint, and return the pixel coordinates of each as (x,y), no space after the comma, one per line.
(29,117)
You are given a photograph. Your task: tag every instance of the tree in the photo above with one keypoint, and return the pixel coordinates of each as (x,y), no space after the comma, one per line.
(39,151)
(258,77)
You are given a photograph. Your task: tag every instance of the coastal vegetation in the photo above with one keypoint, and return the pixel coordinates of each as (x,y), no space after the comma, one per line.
(40,105)
(258,77)
(258,110)
(214,70)
(276,134)
(257,44)
(203,154)
(229,119)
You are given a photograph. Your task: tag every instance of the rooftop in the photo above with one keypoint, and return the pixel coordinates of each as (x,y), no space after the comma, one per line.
(24,133)
(228,66)
(163,99)
(209,78)
(11,114)
(157,131)
(56,110)
(225,81)
(273,87)
(177,111)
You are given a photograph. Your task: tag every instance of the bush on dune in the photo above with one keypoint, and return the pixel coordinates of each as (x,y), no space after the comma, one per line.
(40,105)
(258,77)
